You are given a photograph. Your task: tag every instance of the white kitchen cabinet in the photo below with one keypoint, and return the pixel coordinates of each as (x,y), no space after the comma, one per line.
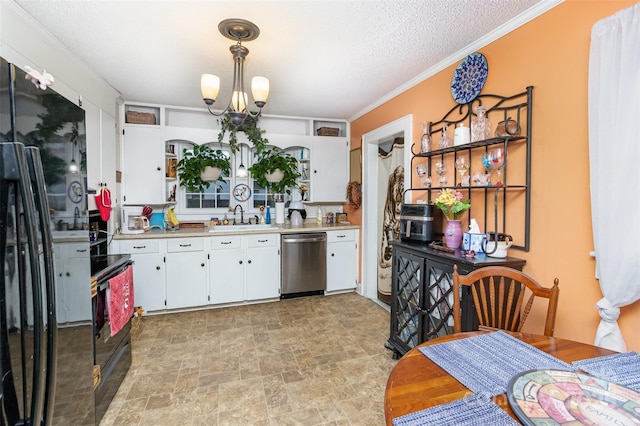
(329,173)
(226,270)
(73,290)
(143,160)
(263,267)
(244,268)
(187,275)
(101,147)
(148,271)
(342,260)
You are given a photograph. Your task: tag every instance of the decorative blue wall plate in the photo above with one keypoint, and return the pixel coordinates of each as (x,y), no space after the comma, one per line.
(241,192)
(469,78)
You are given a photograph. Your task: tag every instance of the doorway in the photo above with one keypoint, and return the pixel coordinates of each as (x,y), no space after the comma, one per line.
(374,196)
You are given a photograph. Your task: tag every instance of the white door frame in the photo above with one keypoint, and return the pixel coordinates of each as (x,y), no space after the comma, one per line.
(370,195)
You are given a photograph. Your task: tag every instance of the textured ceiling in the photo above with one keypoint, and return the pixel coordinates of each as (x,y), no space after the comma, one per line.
(330,59)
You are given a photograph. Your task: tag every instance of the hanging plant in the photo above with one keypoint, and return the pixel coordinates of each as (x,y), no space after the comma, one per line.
(194,162)
(270,160)
(249,127)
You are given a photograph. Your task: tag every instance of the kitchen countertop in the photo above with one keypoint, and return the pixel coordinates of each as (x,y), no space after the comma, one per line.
(204,232)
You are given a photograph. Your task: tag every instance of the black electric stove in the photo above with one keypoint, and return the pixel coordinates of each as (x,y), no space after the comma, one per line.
(105,264)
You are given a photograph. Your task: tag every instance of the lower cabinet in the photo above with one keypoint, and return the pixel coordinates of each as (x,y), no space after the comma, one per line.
(186,273)
(148,272)
(422,293)
(73,294)
(342,260)
(244,268)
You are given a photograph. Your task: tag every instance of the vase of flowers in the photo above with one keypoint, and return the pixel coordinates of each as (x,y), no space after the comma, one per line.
(452,204)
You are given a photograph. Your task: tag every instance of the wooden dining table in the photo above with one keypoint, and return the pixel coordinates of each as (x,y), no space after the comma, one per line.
(416,382)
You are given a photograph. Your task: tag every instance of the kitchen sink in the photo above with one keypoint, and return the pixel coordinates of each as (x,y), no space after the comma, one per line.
(240,228)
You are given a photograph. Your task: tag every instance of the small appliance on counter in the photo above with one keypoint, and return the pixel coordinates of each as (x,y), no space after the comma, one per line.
(420,223)
(133,220)
(297,206)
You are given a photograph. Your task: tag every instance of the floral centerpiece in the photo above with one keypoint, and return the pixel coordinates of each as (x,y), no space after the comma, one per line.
(452,205)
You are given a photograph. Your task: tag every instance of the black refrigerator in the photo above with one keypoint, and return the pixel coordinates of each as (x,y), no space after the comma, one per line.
(46,360)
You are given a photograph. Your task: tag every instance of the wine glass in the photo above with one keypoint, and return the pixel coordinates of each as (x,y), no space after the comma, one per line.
(421,171)
(497,163)
(442,171)
(487,162)
(462,165)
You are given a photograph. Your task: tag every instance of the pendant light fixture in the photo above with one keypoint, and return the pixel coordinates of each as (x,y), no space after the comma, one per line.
(73,166)
(242,170)
(239,30)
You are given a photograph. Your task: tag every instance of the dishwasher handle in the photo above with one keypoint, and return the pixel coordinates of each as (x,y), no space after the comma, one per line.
(309,239)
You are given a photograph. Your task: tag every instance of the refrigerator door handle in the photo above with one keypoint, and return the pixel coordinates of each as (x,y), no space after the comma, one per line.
(36,175)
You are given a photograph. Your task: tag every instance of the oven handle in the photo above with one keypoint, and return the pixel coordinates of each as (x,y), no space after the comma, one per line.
(104,282)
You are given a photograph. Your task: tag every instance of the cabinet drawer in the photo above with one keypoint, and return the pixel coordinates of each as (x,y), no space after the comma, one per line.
(223,243)
(175,245)
(267,240)
(139,246)
(338,236)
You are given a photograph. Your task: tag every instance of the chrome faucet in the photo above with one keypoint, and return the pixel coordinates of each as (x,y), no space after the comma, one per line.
(241,214)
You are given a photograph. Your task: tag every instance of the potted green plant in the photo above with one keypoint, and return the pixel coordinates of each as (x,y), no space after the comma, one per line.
(194,162)
(249,127)
(270,160)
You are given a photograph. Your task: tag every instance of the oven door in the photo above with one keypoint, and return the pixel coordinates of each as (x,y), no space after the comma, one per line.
(104,344)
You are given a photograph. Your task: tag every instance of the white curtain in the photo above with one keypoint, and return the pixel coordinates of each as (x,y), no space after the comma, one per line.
(614,156)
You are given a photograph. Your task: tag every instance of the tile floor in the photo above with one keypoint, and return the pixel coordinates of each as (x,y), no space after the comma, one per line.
(306,361)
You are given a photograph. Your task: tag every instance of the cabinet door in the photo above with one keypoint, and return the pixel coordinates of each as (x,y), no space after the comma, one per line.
(227,275)
(148,281)
(101,147)
(329,169)
(143,164)
(407,284)
(263,273)
(342,260)
(73,292)
(186,279)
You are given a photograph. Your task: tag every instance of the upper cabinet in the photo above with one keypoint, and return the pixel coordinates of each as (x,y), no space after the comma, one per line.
(321,147)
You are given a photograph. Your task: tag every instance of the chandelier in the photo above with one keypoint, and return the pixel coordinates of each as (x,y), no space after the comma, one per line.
(239,30)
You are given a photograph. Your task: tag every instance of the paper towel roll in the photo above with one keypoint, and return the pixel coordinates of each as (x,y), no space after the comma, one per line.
(279,213)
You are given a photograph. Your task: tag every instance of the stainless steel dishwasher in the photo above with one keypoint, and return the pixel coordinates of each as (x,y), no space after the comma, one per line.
(304,264)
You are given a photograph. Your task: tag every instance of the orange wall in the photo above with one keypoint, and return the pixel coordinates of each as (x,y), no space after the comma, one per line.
(550,53)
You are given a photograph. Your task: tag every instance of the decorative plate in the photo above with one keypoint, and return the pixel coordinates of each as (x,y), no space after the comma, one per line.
(469,78)
(556,397)
(241,192)
(74,192)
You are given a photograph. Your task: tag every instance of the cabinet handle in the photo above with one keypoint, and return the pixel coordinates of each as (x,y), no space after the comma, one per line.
(157,268)
(262,241)
(139,247)
(315,171)
(333,254)
(81,250)
(249,261)
(202,264)
(225,242)
(158,168)
(240,262)
(185,245)
(341,236)
(68,274)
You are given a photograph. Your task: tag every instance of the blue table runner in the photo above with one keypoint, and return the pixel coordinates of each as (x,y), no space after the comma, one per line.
(486,363)
(623,369)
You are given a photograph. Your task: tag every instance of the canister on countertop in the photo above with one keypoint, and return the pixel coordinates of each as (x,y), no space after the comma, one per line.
(330,218)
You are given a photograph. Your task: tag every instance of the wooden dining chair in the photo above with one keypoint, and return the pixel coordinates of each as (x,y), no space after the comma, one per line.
(498,294)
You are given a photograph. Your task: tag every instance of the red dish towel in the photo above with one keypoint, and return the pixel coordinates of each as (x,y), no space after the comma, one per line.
(120,300)
(103,202)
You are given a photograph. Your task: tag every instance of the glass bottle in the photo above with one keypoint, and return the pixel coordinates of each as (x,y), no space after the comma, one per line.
(480,126)
(445,141)
(425,139)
